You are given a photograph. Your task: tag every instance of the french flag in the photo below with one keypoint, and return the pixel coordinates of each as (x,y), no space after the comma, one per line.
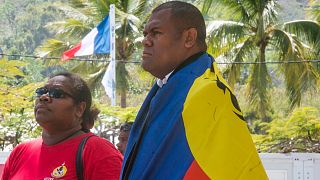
(96,42)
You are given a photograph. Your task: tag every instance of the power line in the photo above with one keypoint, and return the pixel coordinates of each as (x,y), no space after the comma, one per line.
(59,58)
(135,62)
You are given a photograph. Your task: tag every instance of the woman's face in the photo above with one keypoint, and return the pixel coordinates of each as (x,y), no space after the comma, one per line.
(56,110)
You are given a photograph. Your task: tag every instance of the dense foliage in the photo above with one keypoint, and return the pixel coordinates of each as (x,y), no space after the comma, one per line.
(299,132)
(16,100)
(23,24)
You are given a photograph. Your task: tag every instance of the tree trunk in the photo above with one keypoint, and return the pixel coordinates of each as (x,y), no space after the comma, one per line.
(264,107)
(123,98)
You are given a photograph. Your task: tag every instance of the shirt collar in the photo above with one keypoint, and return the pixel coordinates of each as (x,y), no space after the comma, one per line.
(163,81)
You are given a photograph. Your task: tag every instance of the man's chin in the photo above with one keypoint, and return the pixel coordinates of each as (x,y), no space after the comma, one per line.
(145,65)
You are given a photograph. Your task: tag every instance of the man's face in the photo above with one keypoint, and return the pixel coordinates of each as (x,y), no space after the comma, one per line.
(123,140)
(163,44)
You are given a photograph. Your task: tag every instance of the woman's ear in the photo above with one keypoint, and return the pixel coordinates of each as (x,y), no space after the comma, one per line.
(190,37)
(80,109)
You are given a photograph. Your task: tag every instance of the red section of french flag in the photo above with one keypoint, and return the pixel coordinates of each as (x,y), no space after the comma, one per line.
(195,172)
(71,52)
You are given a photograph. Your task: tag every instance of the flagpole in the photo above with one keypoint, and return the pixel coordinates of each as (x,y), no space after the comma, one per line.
(113,52)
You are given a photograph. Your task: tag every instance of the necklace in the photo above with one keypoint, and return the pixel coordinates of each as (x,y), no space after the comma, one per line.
(67,137)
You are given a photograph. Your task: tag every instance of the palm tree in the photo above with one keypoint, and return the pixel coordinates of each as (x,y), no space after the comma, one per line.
(251,34)
(82,16)
(315,9)
(314,13)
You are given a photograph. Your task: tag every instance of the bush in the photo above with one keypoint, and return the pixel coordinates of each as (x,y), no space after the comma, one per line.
(300,132)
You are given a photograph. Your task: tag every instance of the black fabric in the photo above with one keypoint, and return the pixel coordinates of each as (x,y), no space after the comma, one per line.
(188,61)
(79,162)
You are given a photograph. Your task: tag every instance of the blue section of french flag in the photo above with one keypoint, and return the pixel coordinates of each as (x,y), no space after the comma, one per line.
(96,42)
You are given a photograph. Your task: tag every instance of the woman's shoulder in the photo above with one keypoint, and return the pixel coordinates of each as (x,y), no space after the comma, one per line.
(102,160)
(98,146)
(25,148)
(96,141)
(30,144)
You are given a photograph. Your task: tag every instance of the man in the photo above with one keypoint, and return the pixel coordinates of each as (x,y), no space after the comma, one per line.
(190,125)
(123,136)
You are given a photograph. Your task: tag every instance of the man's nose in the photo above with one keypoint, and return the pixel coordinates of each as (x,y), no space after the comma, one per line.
(146,41)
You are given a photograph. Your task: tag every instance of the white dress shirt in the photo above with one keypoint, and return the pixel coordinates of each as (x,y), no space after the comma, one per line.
(161,82)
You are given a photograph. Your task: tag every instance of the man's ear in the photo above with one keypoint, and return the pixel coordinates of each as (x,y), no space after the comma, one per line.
(80,109)
(190,37)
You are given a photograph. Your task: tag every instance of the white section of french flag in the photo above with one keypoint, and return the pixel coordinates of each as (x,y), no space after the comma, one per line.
(87,44)
(85,47)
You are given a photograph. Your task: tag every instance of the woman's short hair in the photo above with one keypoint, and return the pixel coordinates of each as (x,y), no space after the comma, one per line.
(81,93)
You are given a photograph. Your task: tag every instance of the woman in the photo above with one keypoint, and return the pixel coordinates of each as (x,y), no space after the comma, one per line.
(63,110)
(124,136)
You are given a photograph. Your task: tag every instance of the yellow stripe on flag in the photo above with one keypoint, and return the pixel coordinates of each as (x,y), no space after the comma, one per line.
(218,138)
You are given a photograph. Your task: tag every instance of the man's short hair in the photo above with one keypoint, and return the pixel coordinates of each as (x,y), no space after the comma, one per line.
(186,16)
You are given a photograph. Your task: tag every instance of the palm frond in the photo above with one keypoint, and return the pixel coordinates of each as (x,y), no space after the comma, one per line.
(225,28)
(306,30)
(224,35)
(284,42)
(54,47)
(257,89)
(71,12)
(97,9)
(138,7)
(78,4)
(92,72)
(270,12)
(242,51)
(298,77)
(71,28)
(206,5)
(314,9)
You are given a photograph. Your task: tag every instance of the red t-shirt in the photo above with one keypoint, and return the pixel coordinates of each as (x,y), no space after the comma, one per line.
(35,160)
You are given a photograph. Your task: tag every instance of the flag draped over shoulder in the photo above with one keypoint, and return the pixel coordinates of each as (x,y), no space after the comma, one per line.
(224,148)
(96,42)
(193,129)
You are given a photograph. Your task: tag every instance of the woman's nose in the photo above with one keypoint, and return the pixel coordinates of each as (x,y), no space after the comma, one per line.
(45,97)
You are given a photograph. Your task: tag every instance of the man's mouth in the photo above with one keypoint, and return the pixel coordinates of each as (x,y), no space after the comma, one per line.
(146,54)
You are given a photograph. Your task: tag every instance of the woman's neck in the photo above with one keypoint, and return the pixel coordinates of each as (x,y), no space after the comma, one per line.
(55,138)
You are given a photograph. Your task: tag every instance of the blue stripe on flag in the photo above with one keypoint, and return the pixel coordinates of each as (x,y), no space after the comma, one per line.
(102,39)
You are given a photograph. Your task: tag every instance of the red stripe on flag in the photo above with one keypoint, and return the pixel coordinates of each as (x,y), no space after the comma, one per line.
(195,172)
(70,53)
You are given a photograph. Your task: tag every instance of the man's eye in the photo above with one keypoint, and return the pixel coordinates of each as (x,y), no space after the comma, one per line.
(155,32)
